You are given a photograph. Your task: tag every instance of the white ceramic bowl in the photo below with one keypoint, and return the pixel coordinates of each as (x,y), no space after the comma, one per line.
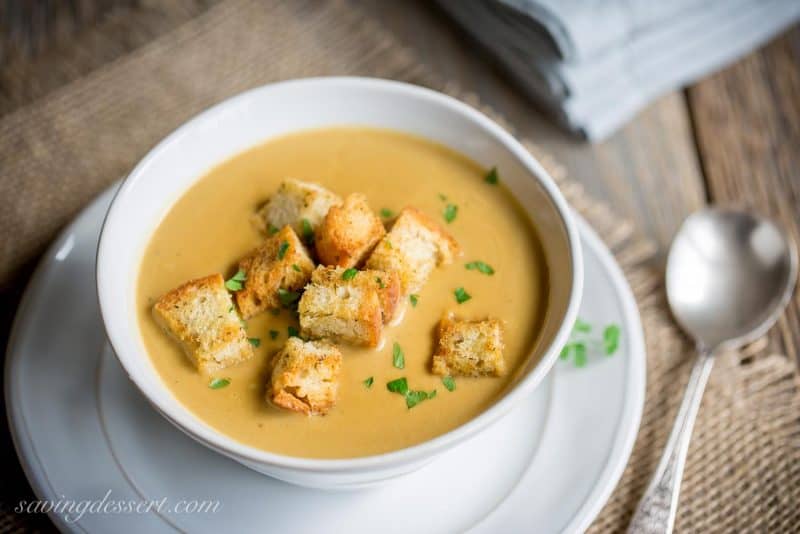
(251,118)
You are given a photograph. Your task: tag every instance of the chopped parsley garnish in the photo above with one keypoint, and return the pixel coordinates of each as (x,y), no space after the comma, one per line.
(492,177)
(296,267)
(293,332)
(461,295)
(308,231)
(611,339)
(485,268)
(450,212)
(236,282)
(380,282)
(368,382)
(449,383)
(273,229)
(273,334)
(398,358)
(349,274)
(230,309)
(282,249)
(400,385)
(414,299)
(415,397)
(442,197)
(579,345)
(254,341)
(286,297)
(386,213)
(218,383)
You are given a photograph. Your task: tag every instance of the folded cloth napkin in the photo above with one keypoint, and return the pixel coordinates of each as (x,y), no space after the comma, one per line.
(593,84)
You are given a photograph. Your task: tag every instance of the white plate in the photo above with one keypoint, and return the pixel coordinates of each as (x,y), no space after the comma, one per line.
(81,429)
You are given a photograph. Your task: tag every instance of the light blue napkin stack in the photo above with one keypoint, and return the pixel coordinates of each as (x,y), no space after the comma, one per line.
(595,63)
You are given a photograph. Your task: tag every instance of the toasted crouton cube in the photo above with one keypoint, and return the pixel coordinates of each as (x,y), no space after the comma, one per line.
(469,348)
(294,202)
(348,233)
(280,266)
(343,305)
(305,376)
(388,290)
(413,248)
(201,317)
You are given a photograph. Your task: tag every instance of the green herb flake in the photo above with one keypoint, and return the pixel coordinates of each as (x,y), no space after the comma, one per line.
(442,197)
(273,334)
(293,332)
(230,309)
(611,339)
(349,274)
(492,177)
(581,356)
(415,397)
(275,311)
(308,231)
(254,341)
(461,295)
(580,343)
(272,229)
(287,297)
(219,383)
(414,299)
(450,212)
(483,267)
(368,382)
(386,213)
(282,249)
(398,385)
(398,358)
(296,268)
(380,282)
(236,282)
(449,383)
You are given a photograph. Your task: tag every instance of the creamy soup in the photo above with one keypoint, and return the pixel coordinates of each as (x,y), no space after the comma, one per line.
(210,227)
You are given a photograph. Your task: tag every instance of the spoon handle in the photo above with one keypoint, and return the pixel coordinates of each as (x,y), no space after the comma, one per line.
(656,511)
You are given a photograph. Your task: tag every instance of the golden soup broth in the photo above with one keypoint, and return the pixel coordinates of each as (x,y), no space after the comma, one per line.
(209,228)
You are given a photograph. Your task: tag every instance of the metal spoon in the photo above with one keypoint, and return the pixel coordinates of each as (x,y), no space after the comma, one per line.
(729,277)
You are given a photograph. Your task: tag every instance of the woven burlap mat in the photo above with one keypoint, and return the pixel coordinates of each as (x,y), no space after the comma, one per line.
(56,153)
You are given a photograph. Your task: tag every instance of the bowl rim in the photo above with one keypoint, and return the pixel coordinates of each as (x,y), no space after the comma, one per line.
(192,425)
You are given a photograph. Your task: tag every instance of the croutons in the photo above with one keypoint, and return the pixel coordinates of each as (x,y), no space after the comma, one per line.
(279,267)
(295,202)
(348,233)
(413,248)
(305,376)
(346,305)
(469,348)
(201,317)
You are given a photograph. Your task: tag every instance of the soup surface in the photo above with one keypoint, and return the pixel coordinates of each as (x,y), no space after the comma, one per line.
(210,227)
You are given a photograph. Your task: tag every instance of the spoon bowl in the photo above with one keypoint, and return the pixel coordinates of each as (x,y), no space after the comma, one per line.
(729,276)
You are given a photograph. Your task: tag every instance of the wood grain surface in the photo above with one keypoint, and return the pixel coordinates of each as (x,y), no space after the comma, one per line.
(747,119)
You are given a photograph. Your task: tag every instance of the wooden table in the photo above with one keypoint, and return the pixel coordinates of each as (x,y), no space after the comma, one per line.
(733,138)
